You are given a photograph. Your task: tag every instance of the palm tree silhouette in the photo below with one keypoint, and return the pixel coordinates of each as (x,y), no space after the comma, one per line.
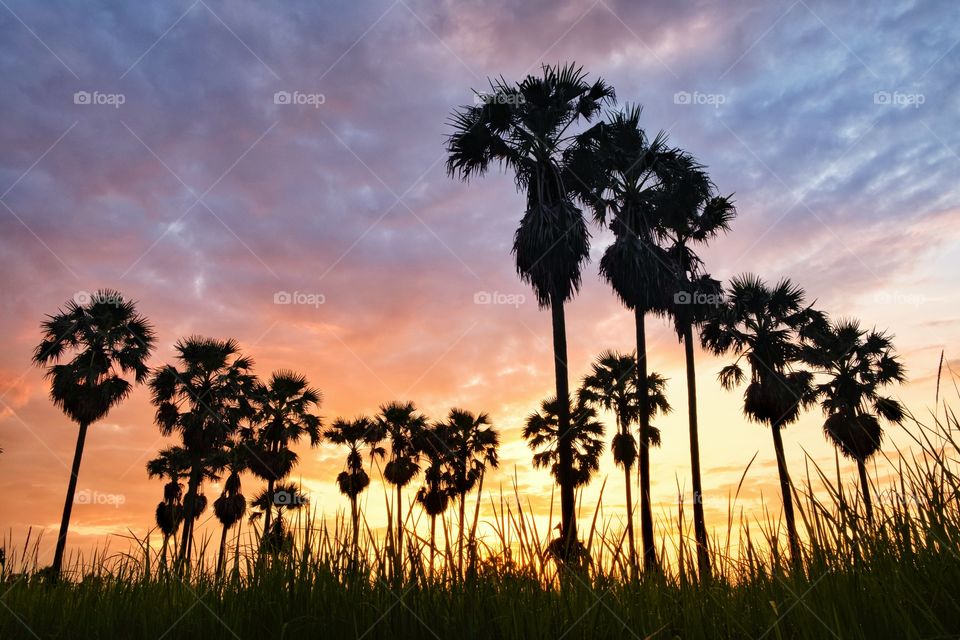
(284,496)
(172,464)
(105,339)
(634,265)
(471,447)
(691,214)
(355,434)
(204,401)
(762,325)
(401,423)
(282,417)
(857,364)
(526,128)
(437,489)
(231,506)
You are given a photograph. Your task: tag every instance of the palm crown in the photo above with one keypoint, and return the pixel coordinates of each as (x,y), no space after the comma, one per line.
(587,431)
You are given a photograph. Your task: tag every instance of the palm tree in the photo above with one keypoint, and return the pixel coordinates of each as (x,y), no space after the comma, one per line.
(762,325)
(231,506)
(634,265)
(282,417)
(172,464)
(437,489)
(105,339)
(284,496)
(691,214)
(355,434)
(204,401)
(401,423)
(526,128)
(612,385)
(471,446)
(542,433)
(857,364)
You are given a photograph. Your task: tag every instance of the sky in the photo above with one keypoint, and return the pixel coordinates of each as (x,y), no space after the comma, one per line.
(206,158)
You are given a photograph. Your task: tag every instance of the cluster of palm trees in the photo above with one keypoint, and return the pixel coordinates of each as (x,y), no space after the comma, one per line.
(568,156)
(570,151)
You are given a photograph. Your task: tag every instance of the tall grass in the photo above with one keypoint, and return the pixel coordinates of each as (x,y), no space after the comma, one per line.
(895,578)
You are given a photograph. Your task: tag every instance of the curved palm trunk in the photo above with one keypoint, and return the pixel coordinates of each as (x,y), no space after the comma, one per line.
(787,492)
(220,553)
(650,563)
(865,487)
(463,533)
(564,443)
(68,502)
(699,522)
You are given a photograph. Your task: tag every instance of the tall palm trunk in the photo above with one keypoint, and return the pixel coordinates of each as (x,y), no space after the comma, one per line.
(650,563)
(463,533)
(787,492)
(220,553)
(355,517)
(68,502)
(399,533)
(189,502)
(268,513)
(433,541)
(865,487)
(699,522)
(564,442)
(630,543)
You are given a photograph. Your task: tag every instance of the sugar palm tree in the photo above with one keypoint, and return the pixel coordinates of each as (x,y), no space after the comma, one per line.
(283,415)
(87,348)
(434,495)
(530,129)
(204,399)
(401,423)
(635,265)
(761,325)
(171,464)
(471,447)
(356,434)
(285,496)
(231,506)
(856,365)
(691,214)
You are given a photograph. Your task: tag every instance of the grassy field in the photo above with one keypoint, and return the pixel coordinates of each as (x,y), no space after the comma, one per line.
(895,579)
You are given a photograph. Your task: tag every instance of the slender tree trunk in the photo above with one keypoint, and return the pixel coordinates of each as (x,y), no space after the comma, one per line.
(433,542)
(355,518)
(399,534)
(650,563)
(189,503)
(463,533)
(269,512)
(630,543)
(865,487)
(163,552)
(787,492)
(699,522)
(564,442)
(68,502)
(223,546)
